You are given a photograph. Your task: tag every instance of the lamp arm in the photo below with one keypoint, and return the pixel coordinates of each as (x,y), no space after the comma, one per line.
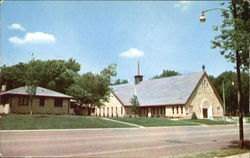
(214,9)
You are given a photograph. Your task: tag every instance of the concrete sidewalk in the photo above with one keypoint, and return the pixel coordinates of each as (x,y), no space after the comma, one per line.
(245,155)
(126,123)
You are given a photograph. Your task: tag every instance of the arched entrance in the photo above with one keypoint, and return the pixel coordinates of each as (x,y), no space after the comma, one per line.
(206,109)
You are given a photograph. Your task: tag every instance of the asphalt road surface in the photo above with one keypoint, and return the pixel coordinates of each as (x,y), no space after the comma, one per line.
(139,142)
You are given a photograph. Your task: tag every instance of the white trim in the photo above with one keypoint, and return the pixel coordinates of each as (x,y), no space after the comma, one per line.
(208,107)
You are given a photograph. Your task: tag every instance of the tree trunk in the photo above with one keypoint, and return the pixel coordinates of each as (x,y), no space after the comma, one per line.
(239,100)
(30,104)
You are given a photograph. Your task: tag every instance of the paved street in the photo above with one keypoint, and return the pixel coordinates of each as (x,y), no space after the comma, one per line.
(146,142)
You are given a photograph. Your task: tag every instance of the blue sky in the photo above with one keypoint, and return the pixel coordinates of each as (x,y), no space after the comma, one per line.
(162,35)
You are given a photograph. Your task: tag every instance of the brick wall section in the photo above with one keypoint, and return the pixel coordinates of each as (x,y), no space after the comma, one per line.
(48,107)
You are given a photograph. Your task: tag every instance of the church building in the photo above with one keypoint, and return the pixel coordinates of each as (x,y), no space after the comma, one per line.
(173,97)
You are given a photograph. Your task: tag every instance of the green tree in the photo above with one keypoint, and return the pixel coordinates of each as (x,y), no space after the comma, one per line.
(119,81)
(229,78)
(167,73)
(31,82)
(109,72)
(233,42)
(52,74)
(92,89)
(135,104)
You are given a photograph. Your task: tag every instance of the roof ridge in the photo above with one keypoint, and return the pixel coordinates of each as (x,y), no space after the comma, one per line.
(174,76)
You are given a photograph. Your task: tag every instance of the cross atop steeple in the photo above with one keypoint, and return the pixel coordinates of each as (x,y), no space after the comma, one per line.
(138,77)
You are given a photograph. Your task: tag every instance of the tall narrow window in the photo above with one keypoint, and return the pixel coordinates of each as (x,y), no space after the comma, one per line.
(173,109)
(182,109)
(41,102)
(177,109)
(121,110)
(190,108)
(116,111)
(108,111)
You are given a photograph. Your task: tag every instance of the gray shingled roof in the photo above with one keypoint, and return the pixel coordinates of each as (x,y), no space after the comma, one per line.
(39,92)
(164,91)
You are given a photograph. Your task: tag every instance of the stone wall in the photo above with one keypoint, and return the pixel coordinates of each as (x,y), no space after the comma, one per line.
(204,97)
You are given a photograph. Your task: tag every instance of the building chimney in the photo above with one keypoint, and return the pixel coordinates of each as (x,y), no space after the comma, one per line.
(138,77)
(3,88)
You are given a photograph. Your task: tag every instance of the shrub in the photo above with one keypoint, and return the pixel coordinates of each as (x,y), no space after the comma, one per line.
(194,117)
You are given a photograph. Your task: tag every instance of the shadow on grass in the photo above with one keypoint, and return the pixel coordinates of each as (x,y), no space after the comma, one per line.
(236,144)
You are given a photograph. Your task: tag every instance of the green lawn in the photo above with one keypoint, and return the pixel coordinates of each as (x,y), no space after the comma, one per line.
(14,122)
(248,119)
(207,122)
(154,121)
(219,153)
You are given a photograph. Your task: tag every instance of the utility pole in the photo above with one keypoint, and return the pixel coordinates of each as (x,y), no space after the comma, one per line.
(238,64)
(224,98)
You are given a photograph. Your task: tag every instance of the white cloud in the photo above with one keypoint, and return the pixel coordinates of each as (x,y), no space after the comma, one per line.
(33,38)
(16,27)
(182,5)
(131,53)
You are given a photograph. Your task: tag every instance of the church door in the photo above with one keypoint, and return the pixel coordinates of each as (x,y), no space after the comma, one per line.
(204,113)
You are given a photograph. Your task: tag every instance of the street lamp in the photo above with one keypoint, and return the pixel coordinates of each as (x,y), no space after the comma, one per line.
(238,64)
(202,16)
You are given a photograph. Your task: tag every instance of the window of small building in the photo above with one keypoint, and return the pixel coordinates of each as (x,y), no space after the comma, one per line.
(182,109)
(121,110)
(4,100)
(58,102)
(23,100)
(177,109)
(173,109)
(112,111)
(108,111)
(41,101)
